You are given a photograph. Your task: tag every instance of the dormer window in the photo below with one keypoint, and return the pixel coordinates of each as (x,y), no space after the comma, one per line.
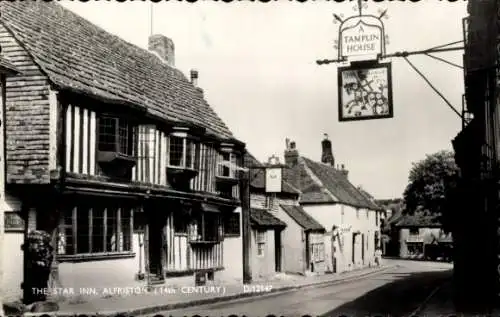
(116,137)
(183,157)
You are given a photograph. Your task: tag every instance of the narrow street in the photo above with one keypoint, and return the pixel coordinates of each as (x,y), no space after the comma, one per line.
(396,292)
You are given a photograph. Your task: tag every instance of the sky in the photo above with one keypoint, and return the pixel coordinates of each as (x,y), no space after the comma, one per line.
(257,67)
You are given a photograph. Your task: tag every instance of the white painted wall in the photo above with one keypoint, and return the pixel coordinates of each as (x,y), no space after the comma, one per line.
(12,257)
(232,257)
(362,220)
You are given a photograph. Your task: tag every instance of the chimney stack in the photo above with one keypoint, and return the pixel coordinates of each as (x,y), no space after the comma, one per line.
(291,153)
(194,77)
(163,47)
(343,170)
(326,151)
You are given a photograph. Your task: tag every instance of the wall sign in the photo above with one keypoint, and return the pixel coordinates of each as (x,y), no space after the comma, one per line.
(13,222)
(365,92)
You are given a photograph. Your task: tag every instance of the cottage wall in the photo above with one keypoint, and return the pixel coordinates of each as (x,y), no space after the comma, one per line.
(422,236)
(292,242)
(233,252)
(348,251)
(263,266)
(13,267)
(103,273)
(29,148)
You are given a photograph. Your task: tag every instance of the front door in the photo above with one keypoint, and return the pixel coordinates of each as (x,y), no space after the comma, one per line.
(277,250)
(155,245)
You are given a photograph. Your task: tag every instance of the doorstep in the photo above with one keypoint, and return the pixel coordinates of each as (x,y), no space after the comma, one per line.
(136,305)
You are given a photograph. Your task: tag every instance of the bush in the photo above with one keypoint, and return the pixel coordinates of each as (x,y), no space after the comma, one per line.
(39,256)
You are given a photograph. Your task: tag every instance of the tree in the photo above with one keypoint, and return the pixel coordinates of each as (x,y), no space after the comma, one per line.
(432,182)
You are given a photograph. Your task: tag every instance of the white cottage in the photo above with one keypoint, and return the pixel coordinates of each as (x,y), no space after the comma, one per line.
(351,219)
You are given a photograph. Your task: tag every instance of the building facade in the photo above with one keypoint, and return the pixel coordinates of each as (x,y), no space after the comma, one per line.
(120,159)
(287,239)
(476,274)
(351,220)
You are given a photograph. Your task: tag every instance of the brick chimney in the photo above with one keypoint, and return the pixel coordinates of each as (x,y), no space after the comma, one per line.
(291,153)
(343,170)
(194,77)
(326,151)
(163,47)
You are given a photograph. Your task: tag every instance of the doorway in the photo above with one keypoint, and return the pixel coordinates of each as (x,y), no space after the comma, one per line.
(308,255)
(277,250)
(155,246)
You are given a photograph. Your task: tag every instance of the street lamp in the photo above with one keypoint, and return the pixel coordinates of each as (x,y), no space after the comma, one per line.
(6,69)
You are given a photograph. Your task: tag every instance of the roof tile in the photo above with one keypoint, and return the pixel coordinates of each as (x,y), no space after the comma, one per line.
(263,218)
(302,218)
(78,55)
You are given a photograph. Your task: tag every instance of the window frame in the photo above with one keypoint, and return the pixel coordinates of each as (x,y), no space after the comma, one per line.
(317,251)
(269,201)
(123,236)
(187,142)
(261,241)
(198,230)
(230,221)
(131,134)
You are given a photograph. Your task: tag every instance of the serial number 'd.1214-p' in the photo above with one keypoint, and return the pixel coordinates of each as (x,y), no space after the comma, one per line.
(257,288)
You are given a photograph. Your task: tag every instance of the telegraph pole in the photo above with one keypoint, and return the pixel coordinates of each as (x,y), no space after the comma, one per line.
(245,225)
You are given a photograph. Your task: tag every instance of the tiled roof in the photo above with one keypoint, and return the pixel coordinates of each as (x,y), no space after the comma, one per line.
(79,56)
(258,179)
(322,183)
(262,218)
(302,218)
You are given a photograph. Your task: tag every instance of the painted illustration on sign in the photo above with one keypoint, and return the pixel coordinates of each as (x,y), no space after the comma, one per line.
(365,92)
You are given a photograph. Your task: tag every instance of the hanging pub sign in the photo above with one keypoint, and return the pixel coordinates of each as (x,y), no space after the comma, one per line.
(274,175)
(361,39)
(365,92)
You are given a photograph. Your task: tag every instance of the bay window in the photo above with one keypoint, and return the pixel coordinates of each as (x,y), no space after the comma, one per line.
(183,152)
(116,146)
(98,230)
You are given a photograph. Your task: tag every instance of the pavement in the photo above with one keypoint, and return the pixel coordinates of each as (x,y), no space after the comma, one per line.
(399,288)
(162,300)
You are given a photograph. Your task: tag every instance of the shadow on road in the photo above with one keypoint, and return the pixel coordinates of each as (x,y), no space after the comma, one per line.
(398,298)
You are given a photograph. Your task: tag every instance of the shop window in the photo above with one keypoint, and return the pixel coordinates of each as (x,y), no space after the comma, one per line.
(318,252)
(261,242)
(102,230)
(206,227)
(232,224)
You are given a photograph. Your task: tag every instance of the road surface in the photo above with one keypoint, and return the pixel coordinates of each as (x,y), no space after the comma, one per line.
(395,292)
